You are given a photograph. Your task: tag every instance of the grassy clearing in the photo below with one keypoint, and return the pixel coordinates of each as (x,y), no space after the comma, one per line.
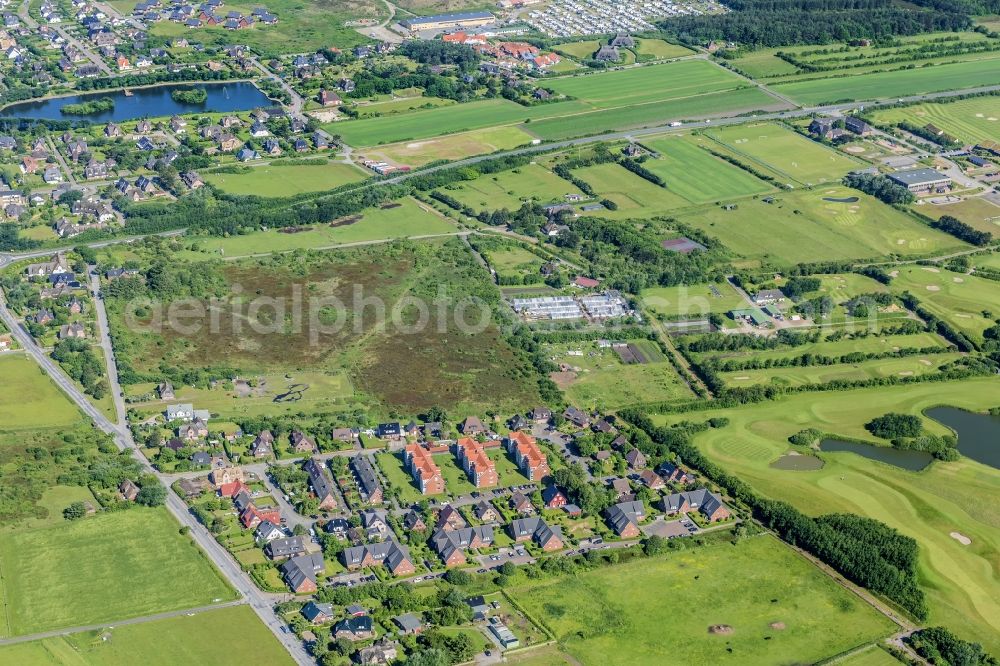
(515,261)
(455,146)
(279,180)
(510,189)
(598,377)
(692,300)
(231,636)
(410,218)
(579,50)
(615,615)
(29,399)
(964,496)
(886,85)
(697,175)
(635,196)
(803,227)
(961,300)
(762,64)
(786,152)
(971,120)
(911,366)
(101,569)
(661,49)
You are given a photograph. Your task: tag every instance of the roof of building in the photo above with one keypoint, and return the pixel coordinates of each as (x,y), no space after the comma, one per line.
(918,177)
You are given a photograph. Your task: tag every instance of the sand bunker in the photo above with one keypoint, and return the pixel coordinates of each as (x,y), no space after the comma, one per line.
(958,279)
(906,373)
(894,274)
(720,629)
(777,625)
(961,538)
(931,269)
(933,287)
(855,149)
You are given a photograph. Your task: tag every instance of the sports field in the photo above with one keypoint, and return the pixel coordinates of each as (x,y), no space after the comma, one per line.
(453,146)
(224,637)
(960,300)
(909,366)
(277,180)
(635,196)
(410,218)
(29,399)
(698,176)
(780,609)
(692,300)
(963,496)
(803,227)
(509,189)
(786,152)
(101,569)
(970,120)
(901,83)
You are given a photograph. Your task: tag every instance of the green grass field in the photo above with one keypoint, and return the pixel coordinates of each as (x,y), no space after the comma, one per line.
(601,380)
(454,146)
(762,64)
(509,189)
(786,152)
(909,366)
(971,120)
(29,399)
(579,50)
(692,300)
(620,615)
(276,180)
(101,569)
(635,196)
(873,656)
(225,637)
(963,496)
(411,218)
(697,175)
(977,212)
(515,261)
(391,465)
(802,227)
(887,85)
(868,345)
(961,300)
(661,49)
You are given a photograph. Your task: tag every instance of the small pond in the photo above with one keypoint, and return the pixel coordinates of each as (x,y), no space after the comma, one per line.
(978,434)
(793,460)
(911,460)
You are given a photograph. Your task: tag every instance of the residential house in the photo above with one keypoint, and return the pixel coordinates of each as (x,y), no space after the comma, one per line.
(318,613)
(485,512)
(263,445)
(379,653)
(391,431)
(196,429)
(449,518)
(299,573)
(368,484)
(128,490)
(674,474)
(553,498)
(423,469)
(375,524)
(451,545)
(267,532)
(282,549)
(702,500)
(524,450)
(624,518)
(180,412)
(549,538)
(651,479)
(391,554)
(576,417)
(225,475)
(302,443)
(321,484)
(472,426)
(635,459)
(414,522)
(520,503)
(477,465)
(409,624)
(540,415)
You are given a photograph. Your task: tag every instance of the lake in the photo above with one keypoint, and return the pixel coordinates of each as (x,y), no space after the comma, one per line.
(911,460)
(147,102)
(978,434)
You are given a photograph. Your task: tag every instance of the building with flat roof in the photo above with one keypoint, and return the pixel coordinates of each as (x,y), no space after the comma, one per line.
(920,180)
(446,21)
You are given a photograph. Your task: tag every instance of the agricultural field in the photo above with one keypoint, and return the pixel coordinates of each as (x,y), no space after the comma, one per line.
(28,396)
(510,189)
(661,49)
(232,636)
(899,83)
(285,180)
(453,146)
(698,176)
(759,588)
(762,64)
(810,226)
(977,212)
(962,496)
(910,366)
(782,150)
(692,300)
(970,120)
(635,196)
(369,109)
(961,300)
(599,377)
(101,569)
(403,219)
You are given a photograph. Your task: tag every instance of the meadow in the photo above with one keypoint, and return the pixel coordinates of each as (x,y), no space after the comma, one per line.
(962,496)
(697,175)
(225,637)
(615,615)
(579,50)
(285,180)
(515,262)
(970,120)
(692,300)
(510,189)
(872,344)
(101,569)
(977,212)
(899,83)
(635,196)
(27,395)
(961,300)
(910,366)
(786,152)
(409,218)
(803,227)
(762,64)
(453,146)
(661,49)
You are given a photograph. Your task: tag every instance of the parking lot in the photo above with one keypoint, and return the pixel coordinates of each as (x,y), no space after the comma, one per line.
(670,529)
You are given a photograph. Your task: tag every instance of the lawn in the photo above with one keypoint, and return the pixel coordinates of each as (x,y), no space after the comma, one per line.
(873,656)
(29,399)
(661,49)
(578,50)
(698,176)
(962,496)
(961,300)
(910,366)
(616,615)
(225,637)
(283,180)
(391,465)
(508,473)
(762,64)
(803,227)
(410,218)
(510,189)
(692,300)
(101,569)
(635,196)
(971,120)
(600,379)
(786,152)
(887,85)
(453,146)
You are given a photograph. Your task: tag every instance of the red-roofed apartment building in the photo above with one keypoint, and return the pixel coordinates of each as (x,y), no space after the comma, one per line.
(529,458)
(424,470)
(476,463)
